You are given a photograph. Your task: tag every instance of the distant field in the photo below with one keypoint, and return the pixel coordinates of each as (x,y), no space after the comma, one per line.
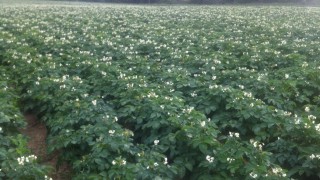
(164,92)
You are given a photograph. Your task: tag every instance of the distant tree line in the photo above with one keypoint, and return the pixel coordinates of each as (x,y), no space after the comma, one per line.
(247,1)
(204,1)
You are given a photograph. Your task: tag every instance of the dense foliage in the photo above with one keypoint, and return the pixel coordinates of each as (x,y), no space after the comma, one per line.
(16,162)
(132,92)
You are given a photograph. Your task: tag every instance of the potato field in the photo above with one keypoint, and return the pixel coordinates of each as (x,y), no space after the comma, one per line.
(161,92)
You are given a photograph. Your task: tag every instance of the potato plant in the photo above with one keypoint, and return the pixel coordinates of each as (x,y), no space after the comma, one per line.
(16,161)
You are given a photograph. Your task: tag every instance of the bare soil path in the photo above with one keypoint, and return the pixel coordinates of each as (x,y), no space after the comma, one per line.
(37,134)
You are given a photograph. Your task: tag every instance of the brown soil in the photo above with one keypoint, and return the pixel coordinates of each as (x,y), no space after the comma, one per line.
(37,134)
